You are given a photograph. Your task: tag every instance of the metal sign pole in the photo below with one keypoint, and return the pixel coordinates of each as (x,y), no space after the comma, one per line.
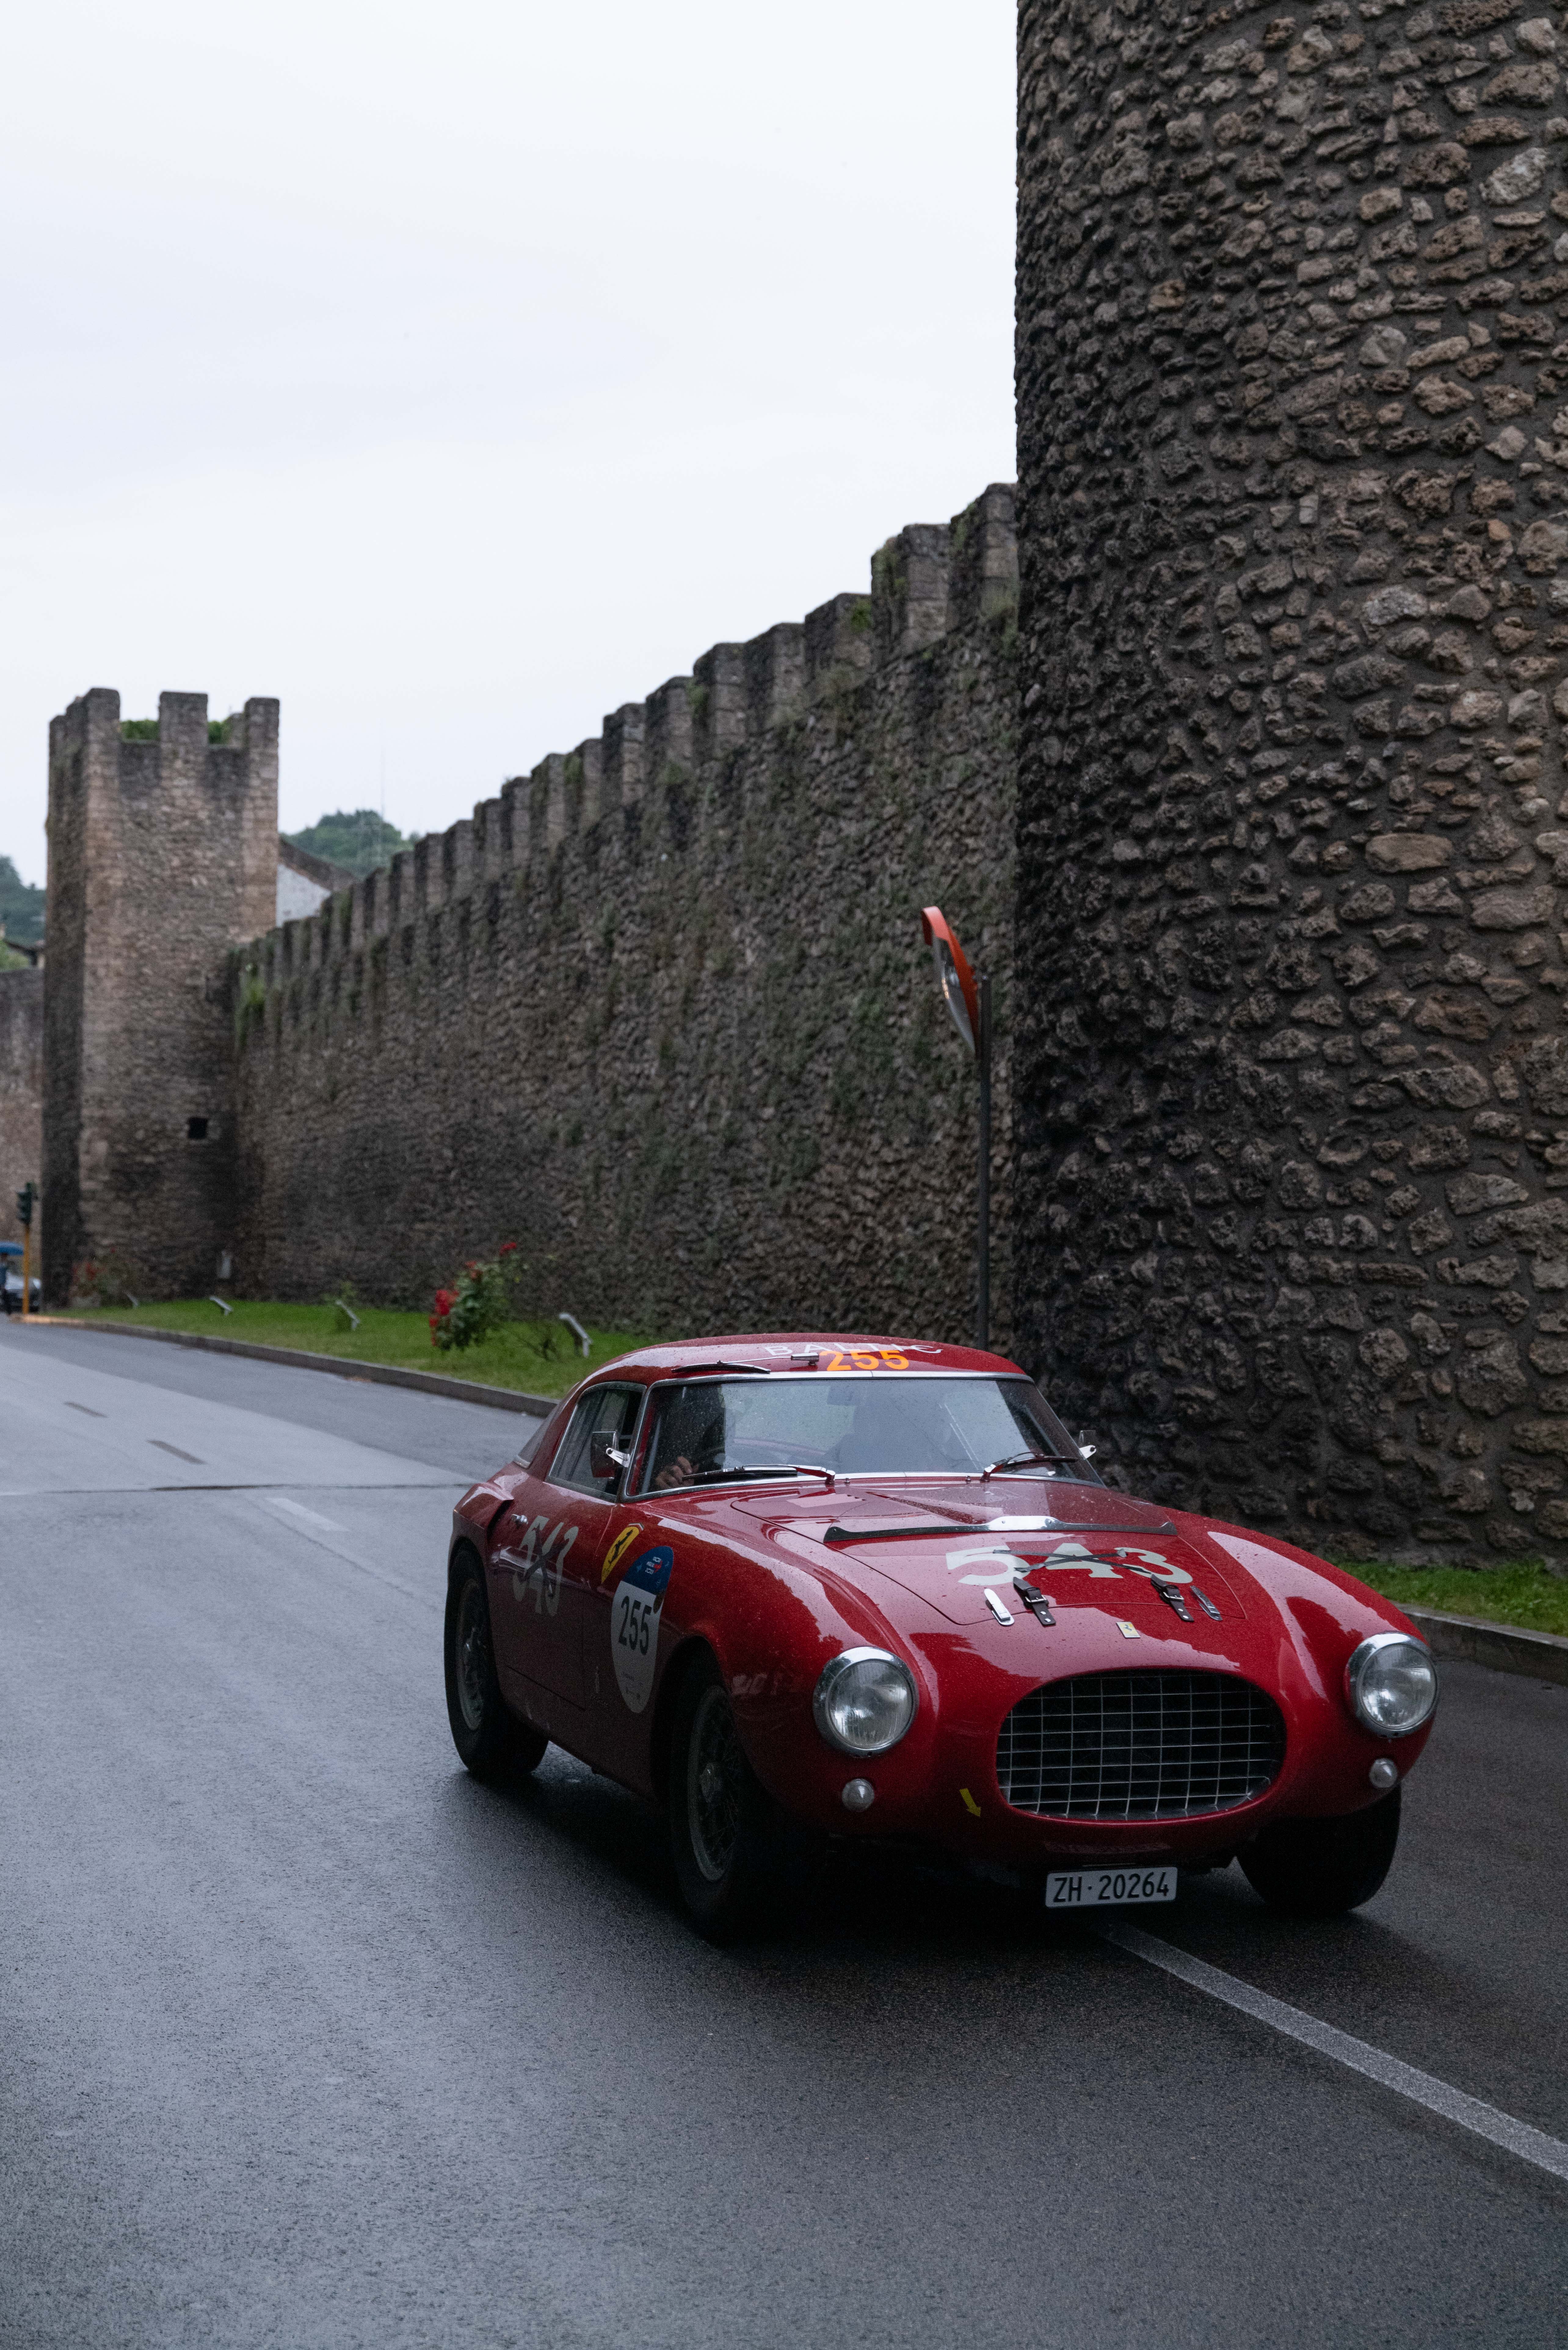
(966,996)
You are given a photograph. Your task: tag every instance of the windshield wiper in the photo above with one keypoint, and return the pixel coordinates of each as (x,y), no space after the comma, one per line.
(1028,1461)
(752,1469)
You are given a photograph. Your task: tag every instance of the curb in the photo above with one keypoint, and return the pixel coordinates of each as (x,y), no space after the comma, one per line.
(343,1366)
(1505,1648)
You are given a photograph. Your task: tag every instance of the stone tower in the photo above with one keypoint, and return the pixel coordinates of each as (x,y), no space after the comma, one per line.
(162,855)
(1292,1087)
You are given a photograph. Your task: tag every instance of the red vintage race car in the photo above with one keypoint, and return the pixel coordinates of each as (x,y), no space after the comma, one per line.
(791,1589)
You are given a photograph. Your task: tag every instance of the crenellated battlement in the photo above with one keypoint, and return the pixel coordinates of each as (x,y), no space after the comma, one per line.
(931,581)
(658,1008)
(90,744)
(162,857)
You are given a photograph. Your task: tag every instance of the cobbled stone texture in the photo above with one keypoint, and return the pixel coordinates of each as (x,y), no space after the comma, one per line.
(661,1011)
(162,856)
(21,1093)
(1291,1075)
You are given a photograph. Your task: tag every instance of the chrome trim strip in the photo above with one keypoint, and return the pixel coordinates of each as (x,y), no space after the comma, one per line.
(836,1534)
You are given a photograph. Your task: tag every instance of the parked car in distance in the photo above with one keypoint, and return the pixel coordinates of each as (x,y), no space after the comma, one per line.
(796,1587)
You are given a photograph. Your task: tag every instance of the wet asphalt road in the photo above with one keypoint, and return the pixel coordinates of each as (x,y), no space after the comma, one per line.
(305,2039)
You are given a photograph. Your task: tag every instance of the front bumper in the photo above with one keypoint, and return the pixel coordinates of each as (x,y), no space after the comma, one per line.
(940,1788)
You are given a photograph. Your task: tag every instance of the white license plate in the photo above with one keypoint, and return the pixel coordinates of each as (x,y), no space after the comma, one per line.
(1086,1889)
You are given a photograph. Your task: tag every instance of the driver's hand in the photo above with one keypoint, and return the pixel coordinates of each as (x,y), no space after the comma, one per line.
(679,1472)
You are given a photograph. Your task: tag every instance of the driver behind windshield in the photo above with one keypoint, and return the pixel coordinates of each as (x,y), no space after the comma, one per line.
(690,1441)
(854,1426)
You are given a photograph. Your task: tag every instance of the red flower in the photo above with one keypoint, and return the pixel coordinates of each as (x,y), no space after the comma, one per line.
(508,1247)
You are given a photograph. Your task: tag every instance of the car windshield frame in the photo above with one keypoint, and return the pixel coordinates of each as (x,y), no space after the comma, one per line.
(1070,1465)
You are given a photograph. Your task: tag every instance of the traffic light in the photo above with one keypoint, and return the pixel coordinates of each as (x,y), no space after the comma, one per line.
(25,1199)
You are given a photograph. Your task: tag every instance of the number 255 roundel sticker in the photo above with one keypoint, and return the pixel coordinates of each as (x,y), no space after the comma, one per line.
(635,1612)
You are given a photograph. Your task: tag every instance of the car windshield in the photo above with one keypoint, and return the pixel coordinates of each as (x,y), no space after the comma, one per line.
(707,1432)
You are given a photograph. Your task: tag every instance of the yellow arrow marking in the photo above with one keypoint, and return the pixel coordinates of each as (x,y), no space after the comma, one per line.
(968,1802)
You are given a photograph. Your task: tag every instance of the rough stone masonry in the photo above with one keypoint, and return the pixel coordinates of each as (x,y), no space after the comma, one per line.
(659,1012)
(1283,1158)
(1291,1075)
(162,854)
(21,1094)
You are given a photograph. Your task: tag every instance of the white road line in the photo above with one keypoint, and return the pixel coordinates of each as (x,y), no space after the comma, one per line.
(298,1510)
(1422,2088)
(55,1493)
(313,1528)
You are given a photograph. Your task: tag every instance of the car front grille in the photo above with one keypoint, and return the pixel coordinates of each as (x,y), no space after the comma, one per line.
(1140,1746)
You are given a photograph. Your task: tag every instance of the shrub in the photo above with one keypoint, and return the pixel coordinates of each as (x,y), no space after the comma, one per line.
(108,1279)
(481,1300)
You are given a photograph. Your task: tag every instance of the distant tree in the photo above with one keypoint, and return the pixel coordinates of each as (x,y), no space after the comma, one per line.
(21,906)
(358,842)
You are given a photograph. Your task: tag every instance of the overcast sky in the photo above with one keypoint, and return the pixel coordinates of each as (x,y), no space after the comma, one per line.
(457,374)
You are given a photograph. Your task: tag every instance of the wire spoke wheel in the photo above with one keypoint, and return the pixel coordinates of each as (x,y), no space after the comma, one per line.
(715,1786)
(473,1655)
(489,1736)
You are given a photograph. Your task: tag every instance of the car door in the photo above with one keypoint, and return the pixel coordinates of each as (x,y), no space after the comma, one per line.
(551,1545)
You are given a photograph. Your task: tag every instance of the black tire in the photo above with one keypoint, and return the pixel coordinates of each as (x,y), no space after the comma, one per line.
(1320,1868)
(488,1736)
(741,1864)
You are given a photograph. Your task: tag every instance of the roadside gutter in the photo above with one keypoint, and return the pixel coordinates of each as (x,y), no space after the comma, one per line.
(1505,1648)
(343,1366)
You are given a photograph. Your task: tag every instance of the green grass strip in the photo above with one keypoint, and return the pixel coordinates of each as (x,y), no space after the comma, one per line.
(1530,1597)
(537,1357)
(542,1358)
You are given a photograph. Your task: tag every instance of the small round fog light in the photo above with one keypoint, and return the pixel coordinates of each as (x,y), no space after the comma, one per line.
(859,1794)
(1383,1774)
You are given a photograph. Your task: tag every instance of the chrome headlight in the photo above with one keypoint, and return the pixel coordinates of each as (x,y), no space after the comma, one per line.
(1392,1684)
(864,1701)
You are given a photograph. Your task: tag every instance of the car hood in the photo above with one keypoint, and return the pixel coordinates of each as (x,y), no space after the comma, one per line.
(1084,1545)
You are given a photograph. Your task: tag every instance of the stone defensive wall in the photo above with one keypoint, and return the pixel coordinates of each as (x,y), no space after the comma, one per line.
(1291,1077)
(21,1096)
(162,855)
(660,1011)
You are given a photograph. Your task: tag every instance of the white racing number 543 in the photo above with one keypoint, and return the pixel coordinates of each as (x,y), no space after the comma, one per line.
(541,1555)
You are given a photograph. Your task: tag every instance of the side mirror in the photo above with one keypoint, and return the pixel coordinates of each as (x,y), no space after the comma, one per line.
(604,1460)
